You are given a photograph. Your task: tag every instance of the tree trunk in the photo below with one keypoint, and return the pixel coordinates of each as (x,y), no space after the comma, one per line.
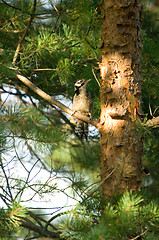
(121,79)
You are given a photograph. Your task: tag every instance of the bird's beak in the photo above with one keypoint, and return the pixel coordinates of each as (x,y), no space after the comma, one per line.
(88,81)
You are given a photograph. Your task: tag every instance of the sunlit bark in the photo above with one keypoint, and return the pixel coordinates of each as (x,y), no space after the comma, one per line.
(121,78)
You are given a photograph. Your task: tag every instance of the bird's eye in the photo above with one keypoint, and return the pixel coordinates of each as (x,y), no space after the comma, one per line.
(78,82)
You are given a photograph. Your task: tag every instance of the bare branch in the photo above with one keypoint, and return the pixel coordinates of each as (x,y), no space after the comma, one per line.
(95,76)
(52,101)
(41,225)
(141,234)
(9,5)
(7,180)
(38,229)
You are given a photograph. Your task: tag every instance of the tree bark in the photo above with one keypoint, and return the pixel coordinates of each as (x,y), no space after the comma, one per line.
(120,94)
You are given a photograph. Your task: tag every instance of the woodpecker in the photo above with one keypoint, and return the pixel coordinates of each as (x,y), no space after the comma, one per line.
(82,103)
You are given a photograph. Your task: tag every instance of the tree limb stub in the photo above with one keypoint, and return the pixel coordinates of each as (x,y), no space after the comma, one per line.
(154,122)
(53,101)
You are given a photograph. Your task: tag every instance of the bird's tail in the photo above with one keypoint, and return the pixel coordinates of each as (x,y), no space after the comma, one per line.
(82,129)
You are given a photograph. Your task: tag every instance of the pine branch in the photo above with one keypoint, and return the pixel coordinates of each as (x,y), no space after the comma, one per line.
(24,35)
(41,225)
(11,6)
(52,101)
(38,229)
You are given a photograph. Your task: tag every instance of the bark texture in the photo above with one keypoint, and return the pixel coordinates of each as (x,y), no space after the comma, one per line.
(121,79)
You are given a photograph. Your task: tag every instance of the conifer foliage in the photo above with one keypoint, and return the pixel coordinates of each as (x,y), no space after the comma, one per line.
(126,217)
(53,43)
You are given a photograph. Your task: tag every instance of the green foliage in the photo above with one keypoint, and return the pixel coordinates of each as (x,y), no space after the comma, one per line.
(65,70)
(76,224)
(85,156)
(127,217)
(62,45)
(10,220)
(150,61)
(150,91)
(151,160)
(61,52)
(29,124)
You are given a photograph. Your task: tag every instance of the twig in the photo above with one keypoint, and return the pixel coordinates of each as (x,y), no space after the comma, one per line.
(32,152)
(48,223)
(44,69)
(24,35)
(9,5)
(54,6)
(95,76)
(108,176)
(38,229)
(7,180)
(150,110)
(141,234)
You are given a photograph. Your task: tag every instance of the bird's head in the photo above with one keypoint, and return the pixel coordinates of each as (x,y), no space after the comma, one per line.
(81,82)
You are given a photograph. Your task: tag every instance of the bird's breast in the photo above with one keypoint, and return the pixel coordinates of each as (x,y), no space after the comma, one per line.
(81,103)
